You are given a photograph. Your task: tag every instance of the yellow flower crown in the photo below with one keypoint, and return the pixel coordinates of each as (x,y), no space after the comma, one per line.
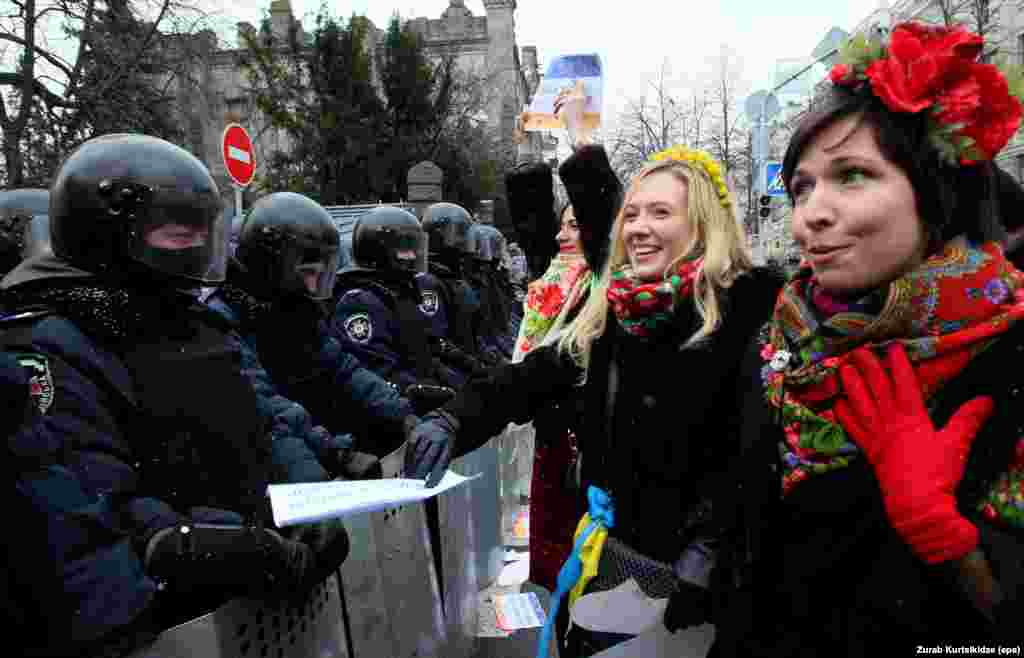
(701,159)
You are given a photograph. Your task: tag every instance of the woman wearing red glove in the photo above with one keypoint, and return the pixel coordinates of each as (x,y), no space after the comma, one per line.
(880,506)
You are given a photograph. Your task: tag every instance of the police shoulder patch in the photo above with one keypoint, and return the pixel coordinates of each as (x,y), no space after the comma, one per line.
(40,379)
(428,303)
(359,328)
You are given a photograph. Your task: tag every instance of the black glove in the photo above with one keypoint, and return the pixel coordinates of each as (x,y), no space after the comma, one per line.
(355,465)
(451,354)
(689,606)
(427,397)
(242,558)
(431,447)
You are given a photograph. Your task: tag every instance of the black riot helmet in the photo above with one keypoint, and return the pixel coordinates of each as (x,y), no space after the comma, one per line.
(489,243)
(389,238)
(121,200)
(447,226)
(289,245)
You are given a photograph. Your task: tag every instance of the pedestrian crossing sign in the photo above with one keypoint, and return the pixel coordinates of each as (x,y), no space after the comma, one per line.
(773,179)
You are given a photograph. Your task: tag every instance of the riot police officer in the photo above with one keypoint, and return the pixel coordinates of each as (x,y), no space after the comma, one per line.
(283,271)
(447,226)
(139,483)
(384,317)
(500,321)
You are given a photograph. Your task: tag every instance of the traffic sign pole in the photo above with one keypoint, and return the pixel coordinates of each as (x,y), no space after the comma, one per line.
(238,202)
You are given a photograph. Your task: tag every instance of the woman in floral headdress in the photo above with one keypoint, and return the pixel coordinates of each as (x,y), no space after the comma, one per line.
(881,509)
(657,346)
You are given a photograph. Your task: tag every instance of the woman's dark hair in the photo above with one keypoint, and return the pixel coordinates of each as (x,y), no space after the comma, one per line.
(561,213)
(950,200)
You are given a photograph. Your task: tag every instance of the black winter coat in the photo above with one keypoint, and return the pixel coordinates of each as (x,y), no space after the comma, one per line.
(822,572)
(670,429)
(131,433)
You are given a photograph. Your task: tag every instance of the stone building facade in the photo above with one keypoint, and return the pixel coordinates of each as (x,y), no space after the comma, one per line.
(214,95)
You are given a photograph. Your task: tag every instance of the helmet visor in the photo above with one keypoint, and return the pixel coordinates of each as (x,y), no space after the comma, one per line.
(485,247)
(310,271)
(186,241)
(409,250)
(452,234)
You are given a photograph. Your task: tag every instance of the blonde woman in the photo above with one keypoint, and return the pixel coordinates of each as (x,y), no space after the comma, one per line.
(655,350)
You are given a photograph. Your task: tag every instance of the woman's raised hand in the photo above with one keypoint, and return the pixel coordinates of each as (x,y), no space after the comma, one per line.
(569,108)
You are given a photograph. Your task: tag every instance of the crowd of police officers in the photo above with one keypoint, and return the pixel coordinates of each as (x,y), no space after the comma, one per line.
(145,413)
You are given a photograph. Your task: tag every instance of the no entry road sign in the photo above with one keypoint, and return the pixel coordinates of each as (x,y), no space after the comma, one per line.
(239,159)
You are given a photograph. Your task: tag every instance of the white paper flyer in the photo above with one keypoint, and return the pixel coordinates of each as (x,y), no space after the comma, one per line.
(309,502)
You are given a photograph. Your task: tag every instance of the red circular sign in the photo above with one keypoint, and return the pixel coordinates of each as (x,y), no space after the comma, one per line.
(237,151)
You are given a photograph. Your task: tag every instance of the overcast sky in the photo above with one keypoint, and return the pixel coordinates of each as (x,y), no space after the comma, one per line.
(632,37)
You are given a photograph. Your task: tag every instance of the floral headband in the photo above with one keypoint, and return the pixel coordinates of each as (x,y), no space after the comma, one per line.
(973,108)
(702,160)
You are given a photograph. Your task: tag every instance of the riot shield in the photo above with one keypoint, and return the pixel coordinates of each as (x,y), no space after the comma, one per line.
(390,585)
(243,628)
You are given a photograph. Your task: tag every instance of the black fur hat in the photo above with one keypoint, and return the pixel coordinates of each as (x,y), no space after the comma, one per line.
(595,193)
(531,204)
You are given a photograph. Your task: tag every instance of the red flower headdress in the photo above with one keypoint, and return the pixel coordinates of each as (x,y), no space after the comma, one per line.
(973,108)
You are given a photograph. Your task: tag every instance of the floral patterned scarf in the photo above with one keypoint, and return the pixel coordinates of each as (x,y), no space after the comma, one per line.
(643,308)
(944,312)
(563,285)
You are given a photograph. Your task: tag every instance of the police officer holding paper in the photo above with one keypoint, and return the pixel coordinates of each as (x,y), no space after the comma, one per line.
(139,481)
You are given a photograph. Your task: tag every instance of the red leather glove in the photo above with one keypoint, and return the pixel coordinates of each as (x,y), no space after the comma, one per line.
(918,466)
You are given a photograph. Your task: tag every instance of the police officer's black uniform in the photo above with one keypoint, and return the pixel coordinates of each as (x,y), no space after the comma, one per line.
(275,296)
(144,429)
(388,315)
(447,226)
(499,323)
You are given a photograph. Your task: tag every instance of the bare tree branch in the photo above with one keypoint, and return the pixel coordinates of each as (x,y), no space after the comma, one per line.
(53,59)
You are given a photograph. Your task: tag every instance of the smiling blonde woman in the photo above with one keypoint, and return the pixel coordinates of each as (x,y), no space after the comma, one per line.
(654,354)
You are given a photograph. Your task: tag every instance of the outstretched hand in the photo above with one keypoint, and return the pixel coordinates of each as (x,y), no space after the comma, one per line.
(431,447)
(917,465)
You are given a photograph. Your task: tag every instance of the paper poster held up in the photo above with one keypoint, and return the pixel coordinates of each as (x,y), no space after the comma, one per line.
(568,76)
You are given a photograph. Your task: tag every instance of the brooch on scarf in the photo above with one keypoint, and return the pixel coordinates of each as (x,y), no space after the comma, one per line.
(780,360)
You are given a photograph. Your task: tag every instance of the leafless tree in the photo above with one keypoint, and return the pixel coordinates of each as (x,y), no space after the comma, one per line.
(728,126)
(110,48)
(651,123)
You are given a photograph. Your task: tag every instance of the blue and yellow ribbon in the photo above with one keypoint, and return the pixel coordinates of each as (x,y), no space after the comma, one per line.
(581,566)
